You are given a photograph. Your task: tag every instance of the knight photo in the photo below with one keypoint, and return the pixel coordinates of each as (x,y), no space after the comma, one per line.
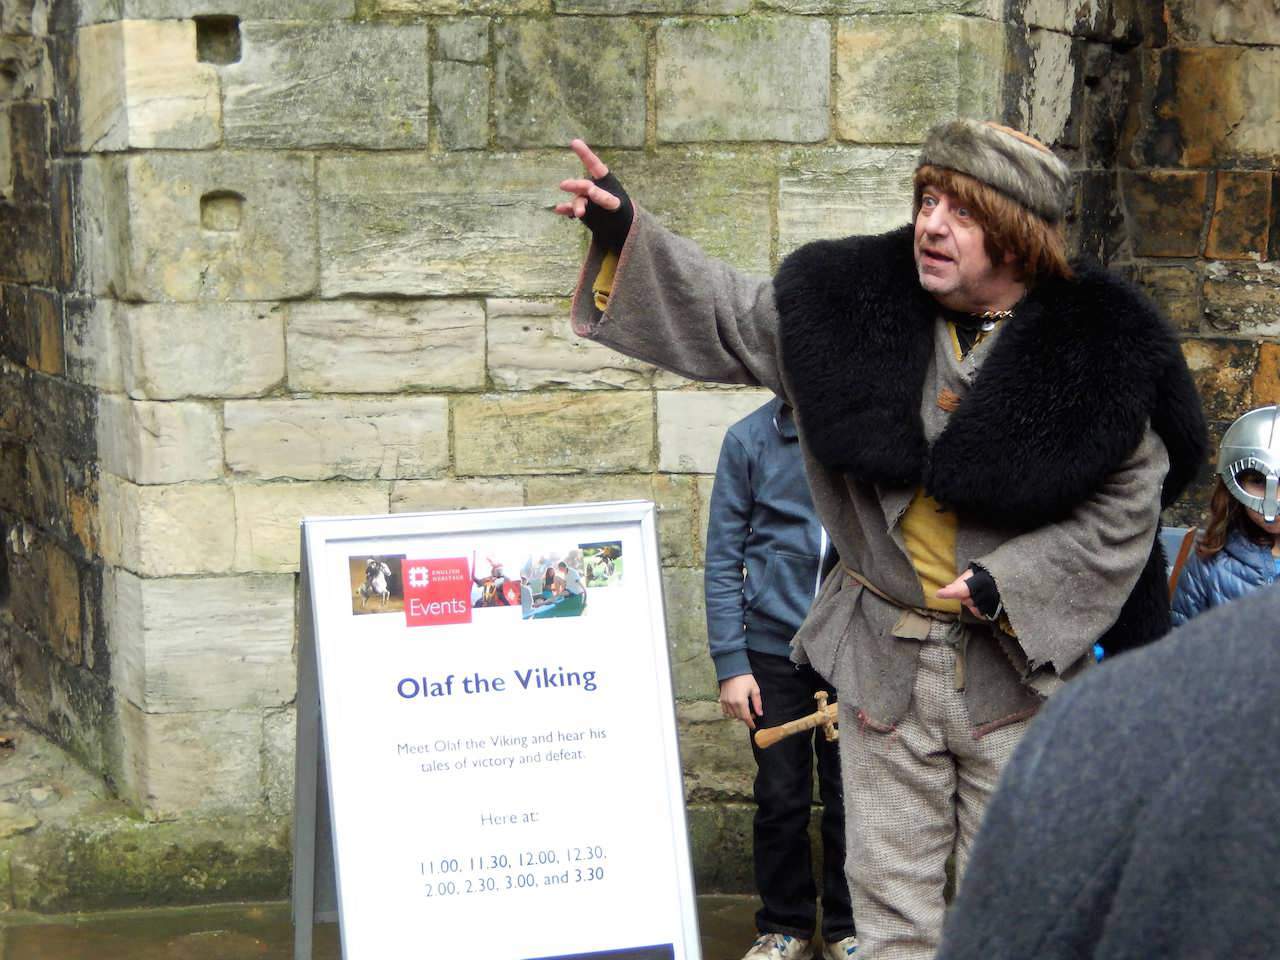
(376,584)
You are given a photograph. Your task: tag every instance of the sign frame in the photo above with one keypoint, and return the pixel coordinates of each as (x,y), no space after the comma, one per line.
(316,891)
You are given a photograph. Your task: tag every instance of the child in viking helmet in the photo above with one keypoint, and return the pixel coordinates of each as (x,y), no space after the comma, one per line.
(1239,549)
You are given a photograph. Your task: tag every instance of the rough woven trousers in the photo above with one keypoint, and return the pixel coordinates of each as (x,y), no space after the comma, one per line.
(915,795)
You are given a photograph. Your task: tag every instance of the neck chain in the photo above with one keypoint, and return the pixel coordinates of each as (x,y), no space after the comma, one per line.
(989,318)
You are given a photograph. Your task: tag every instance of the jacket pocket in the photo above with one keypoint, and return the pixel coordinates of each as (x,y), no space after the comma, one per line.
(785,592)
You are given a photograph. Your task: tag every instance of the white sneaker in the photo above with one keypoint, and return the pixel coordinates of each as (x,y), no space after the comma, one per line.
(841,949)
(779,946)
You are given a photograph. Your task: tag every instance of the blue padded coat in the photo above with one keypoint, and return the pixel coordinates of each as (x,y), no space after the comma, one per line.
(1241,567)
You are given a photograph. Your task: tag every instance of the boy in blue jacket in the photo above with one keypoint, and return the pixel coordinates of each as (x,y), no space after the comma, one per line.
(766,554)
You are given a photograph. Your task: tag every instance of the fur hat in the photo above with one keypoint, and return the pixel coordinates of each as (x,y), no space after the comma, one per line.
(1013,163)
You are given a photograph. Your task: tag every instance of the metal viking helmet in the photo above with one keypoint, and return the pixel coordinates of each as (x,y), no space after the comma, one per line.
(1253,443)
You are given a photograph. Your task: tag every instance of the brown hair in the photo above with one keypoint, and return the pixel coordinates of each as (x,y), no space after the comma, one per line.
(1226,513)
(1039,247)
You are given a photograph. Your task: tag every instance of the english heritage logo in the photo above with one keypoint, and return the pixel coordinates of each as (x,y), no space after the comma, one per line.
(436,592)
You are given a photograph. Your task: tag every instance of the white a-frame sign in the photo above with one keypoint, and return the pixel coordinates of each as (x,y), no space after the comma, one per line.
(487,757)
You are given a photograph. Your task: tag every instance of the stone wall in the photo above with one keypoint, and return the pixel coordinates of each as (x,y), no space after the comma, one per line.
(1171,127)
(271,258)
(267,258)
(54,656)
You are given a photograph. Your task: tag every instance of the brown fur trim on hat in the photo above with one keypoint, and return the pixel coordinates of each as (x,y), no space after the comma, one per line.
(1009,161)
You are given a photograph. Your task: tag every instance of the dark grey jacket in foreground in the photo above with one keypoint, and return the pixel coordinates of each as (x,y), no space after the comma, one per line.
(1140,816)
(762,522)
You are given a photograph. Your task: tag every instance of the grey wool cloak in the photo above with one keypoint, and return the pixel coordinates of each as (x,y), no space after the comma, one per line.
(1055,463)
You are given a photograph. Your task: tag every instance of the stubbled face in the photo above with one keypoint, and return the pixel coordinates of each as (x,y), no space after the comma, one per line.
(951,258)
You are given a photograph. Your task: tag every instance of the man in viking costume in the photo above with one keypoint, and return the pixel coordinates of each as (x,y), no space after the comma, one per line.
(989,435)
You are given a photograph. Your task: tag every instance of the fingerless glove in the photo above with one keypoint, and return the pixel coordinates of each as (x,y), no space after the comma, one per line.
(610,227)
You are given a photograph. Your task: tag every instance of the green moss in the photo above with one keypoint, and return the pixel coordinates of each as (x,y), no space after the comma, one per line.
(124,863)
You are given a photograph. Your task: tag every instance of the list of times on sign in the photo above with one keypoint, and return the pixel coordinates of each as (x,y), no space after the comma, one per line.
(500,737)
(472,874)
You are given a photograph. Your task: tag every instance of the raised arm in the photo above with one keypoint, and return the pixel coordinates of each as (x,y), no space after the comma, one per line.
(659,298)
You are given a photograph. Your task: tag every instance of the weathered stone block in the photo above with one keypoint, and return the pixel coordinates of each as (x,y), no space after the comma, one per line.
(244,9)
(569,77)
(163,531)
(32,332)
(465,39)
(692,424)
(222,643)
(141,86)
(898,76)
(1205,21)
(279,738)
(29,146)
(705,486)
(616,7)
(45,595)
(1209,106)
(1241,208)
(991,9)
(505,434)
(158,442)
(28,244)
(1050,93)
(425,496)
(15,403)
(1223,371)
(267,531)
(748,79)
(722,201)
(693,673)
(91,344)
(824,193)
(191,764)
(398,9)
(332,84)
(440,226)
(1266,379)
(1176,290)
(720,840)
(25,16)
(1243,299)
(532,344)
(460,93)
(715,753)
(355,439)
(385,346)
(217,350)
(29,70)
(1165,212)
(93,211)
(6,154)
(674,496)
(62,414)
(218,226)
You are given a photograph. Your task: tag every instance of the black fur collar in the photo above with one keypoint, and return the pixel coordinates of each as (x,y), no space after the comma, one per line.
(1058,404)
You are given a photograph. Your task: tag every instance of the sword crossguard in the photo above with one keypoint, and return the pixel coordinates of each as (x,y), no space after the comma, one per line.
(826,717)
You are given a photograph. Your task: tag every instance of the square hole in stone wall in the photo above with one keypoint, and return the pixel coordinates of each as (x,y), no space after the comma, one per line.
(221,210)
(217,39)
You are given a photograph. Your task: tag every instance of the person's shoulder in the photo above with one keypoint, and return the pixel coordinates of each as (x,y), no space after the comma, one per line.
(1100,294)
(831,265)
